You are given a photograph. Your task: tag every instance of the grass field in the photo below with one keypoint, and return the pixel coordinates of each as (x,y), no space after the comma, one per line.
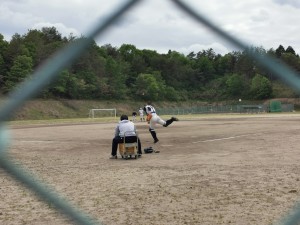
(211,169)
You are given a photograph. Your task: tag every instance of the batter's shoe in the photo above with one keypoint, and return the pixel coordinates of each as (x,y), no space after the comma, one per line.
(113,157)
(155,141)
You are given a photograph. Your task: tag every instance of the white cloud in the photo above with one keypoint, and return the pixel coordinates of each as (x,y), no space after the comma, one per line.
(293,3)
(61,28)
(159,25)
(217,47)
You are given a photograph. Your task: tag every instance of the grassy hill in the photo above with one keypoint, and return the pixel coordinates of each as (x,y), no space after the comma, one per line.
(65,109)
(62,109)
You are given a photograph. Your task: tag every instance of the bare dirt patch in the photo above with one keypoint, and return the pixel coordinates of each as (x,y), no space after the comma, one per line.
(213,170)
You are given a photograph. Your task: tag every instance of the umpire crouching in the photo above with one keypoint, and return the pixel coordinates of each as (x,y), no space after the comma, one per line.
(124,126)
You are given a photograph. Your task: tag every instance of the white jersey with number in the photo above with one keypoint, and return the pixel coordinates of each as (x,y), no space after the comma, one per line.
(149,109)
(155,118)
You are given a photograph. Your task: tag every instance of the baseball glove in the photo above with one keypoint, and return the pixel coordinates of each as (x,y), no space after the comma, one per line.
(149,116)
(148,150)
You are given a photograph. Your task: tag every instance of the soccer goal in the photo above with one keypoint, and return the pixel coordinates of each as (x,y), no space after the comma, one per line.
(102,112)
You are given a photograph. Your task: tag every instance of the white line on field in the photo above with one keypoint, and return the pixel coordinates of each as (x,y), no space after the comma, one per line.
(220,139)
(37,141)
(217,139)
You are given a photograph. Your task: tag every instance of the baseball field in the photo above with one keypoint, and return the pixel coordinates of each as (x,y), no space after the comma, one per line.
(211,169)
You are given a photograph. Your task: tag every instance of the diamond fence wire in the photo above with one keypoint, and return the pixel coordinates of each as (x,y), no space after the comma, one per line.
(225,109)
(64,57)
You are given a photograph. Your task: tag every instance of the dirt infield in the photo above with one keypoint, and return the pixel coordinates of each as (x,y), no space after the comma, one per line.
(213,170)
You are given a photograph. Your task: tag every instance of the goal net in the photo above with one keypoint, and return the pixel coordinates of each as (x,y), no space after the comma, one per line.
(102,113)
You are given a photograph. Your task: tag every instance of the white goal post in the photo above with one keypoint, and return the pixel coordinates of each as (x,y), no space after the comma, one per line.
(92,112)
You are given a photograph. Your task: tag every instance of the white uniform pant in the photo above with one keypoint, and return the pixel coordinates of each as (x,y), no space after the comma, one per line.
(154,120)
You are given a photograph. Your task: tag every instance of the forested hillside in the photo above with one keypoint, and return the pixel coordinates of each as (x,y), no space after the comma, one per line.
(125,72)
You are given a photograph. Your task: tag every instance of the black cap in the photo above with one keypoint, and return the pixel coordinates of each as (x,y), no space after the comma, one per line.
(124,117)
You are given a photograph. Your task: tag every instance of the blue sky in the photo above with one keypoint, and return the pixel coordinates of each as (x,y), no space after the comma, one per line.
(158,25)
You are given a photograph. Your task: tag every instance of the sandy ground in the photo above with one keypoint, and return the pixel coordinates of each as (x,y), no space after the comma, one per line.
(214,170)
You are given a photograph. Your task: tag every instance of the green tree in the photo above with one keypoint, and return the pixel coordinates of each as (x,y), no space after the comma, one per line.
(174,70)
(225,64)
(292,60)
(89,72)
(152,87)
(206,68)
(279,51)
(14,49)
(261,87)
(115,79)
(62,85)
(2,71)
(290,50)
(3,44)
(134,61)
(171,94)
(34,42)
(148,87)
(3,66)
(236,85)
(204,65)
(51,34)
(21,69)
(88,84)
(244,64)
(215,90)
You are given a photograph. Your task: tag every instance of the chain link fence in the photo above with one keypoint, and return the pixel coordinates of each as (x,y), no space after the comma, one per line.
(224,109)
(64,57)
